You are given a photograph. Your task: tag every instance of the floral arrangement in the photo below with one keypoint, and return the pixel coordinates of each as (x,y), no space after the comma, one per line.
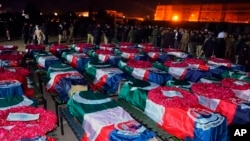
(8,47)
(19,70)
(219,61)
(107,45)
(175,64)
(84,45)
(129,50)
(17,130)
(126,44)
(151,50)
(235,84)
(195,61)
(138,64)
(212,90)
(35,47)
(108,52)
(146,45)
(177,97)
(8,75)
(171,50)
(15,57)
(58,46)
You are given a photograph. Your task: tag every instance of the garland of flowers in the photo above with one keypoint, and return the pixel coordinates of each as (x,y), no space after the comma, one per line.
(7,47)
(129,50)
(171,50)
(8,75)
(15,57)
(139,64)
(58,46)
(126,44)
(84,45)
(195,61)
(232,83)
(187,100)
(151,50)
(175,64)
(108,52)
(146,45)
(19,70)
(107,45)
(212,90)
(27,129)
(35,47)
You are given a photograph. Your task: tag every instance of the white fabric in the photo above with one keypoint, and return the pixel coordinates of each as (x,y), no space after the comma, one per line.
(82,100)
(94,122)
(176,72)
(154,111)
(209,103)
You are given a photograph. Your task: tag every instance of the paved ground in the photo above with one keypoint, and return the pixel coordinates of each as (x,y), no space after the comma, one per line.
(52,40)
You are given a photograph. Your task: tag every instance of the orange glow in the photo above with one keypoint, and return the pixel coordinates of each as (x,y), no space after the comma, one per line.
(234,13)
(175,18)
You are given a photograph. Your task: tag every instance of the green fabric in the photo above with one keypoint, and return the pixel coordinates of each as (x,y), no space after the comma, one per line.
(11,100)
(133,94)
(160,66)
(179,83)
(79,109)
(236,75)
(123,66)
(91,67)
(57,67)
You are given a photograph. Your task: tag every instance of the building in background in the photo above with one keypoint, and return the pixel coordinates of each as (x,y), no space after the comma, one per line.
(233,13)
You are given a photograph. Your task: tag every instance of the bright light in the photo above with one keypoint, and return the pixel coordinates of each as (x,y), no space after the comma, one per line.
(175,18)
(55,14)
(41,13)
(0,5)
(123,17)
(192,15)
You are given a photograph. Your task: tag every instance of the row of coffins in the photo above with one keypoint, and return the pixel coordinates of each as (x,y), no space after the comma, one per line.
(195,111)
(101,117)
(21,118)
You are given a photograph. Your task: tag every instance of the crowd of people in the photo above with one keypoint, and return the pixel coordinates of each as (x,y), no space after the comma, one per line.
(199,43)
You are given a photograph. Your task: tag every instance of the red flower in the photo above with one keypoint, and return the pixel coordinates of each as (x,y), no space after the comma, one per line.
(99,51)
(15,57)
(107,45)
(151,50)
(35,47)
(235,84)
(27,129)
(171,50)
(139,64)
(129,50)
(212,90)
(184,99)
(126,44)
(195,61)
(19,70)
(58,46)
(84,45)
(146,45)
(175,64)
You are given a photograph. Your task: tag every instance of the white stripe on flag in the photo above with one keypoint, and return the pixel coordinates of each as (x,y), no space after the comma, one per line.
(94,122)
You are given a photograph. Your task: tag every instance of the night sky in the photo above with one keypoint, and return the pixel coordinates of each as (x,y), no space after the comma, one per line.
(128,7)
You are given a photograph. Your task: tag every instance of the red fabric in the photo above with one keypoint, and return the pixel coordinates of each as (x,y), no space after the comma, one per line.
(175,64)
(139,64)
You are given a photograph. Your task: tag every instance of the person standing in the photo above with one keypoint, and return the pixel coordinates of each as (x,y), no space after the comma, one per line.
(60,33)
(97,33)
(25,33)
(220,48)
(184,40)
(209,45)
(46,33)
(31,33)
(71,33)
(38,35)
